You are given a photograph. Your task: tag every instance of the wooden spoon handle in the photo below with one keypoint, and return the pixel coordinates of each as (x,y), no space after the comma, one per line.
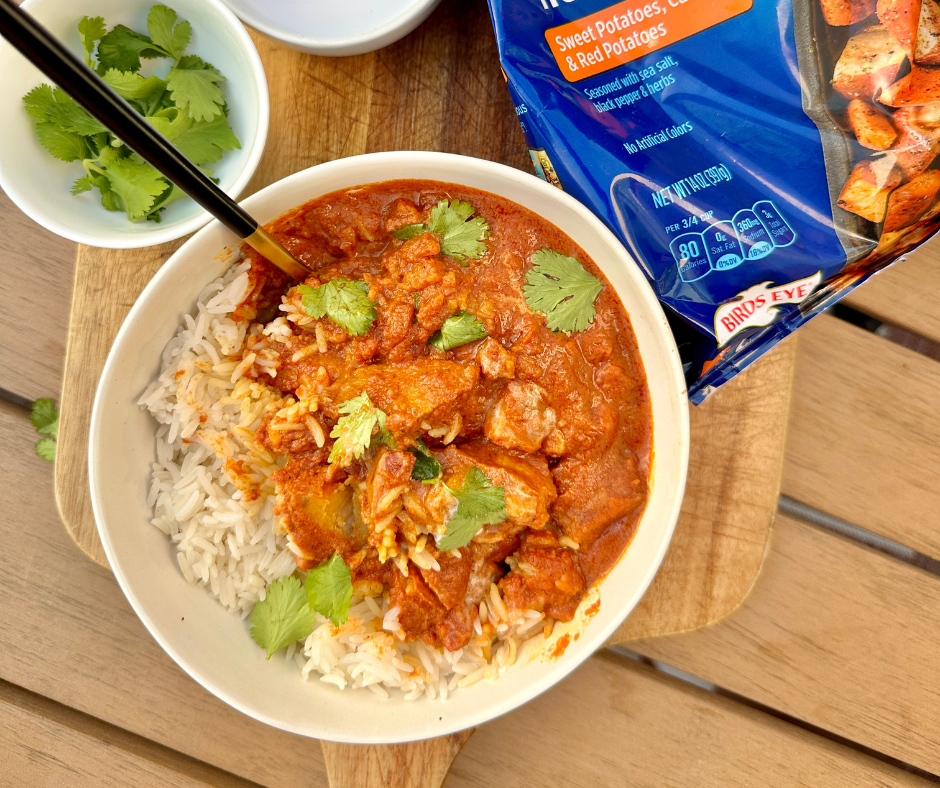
(420,764)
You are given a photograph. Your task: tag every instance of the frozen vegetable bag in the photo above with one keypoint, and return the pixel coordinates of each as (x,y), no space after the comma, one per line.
(760,158)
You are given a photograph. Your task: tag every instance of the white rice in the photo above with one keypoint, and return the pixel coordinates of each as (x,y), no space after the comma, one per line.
(213,497)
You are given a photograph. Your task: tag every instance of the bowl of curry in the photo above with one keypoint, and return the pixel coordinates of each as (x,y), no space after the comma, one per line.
(419,487)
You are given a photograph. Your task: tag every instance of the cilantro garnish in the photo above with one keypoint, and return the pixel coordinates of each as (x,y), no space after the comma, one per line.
(479,503)
(45,418)
(345,301)
(561,289)
(426,467)
(461,237)
(329,590)
(283,617)
(186,105)
(458,330)
(194,86)
(91,28)
(353,431)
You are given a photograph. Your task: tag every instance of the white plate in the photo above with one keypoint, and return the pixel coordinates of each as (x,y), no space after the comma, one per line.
(40,185)
(214,646)
(327,27)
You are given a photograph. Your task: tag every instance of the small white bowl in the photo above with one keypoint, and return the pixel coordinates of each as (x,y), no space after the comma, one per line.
(326,27)
(40,184)
(214,646)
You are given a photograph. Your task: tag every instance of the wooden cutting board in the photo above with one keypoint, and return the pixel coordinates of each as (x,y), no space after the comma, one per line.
(441,89)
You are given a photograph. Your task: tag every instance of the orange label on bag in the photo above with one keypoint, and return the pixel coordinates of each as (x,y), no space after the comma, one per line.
(632,29)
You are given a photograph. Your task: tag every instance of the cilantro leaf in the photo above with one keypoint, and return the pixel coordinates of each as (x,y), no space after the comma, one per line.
(39,101)
(329,590)
(426,467)
(171,39)
(479,503)
(67,114)
(409,231)
(53,105)
(130,86)
(353,431)
(458,330)
(561,289)
(134,181)
(345,301)
(83,184)
(283,616)
(194,87)
(45,448)
(122,49)
(91,29)
(460,238)
(204,142)
(45,416)
(64,145)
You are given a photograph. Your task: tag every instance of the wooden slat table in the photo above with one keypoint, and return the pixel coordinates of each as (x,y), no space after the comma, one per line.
(825,676)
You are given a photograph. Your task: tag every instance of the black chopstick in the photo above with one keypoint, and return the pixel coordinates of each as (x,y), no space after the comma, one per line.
(101,102)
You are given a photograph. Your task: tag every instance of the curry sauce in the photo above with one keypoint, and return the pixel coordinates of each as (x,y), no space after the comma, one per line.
(559,422)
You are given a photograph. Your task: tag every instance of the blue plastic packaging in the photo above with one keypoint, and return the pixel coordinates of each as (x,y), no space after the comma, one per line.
(718,155)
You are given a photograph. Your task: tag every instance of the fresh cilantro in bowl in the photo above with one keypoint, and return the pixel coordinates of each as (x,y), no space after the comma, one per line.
(186,104)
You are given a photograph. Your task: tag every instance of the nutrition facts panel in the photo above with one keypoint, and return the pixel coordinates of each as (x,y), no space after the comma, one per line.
(752,234)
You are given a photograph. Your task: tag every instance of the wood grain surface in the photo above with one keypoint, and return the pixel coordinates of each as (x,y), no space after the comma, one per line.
(835,634)
(37,280)
(864,439)
(69,634)
(906,293)
(422,764)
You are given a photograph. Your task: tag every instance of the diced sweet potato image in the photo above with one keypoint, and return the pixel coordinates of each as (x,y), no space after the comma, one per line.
(921,86)
(846,12)
(918,140)
(872,128)
(908,202)
(927,43)
(900,17)
(868,64)
(866,191)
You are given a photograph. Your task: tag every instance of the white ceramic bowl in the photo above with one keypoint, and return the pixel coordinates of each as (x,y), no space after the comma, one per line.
(214,646)
(40,184)
(327,27)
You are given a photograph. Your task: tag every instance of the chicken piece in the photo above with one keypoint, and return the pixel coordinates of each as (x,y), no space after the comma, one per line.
(455,629)
(419,610)
(520,417)
(868,64)
(412,252)
(871,127)
(920,86)
(525,479)
(900,17)
(547,579)
(846,12)
(381,497)
(908,202)
(401,213)
(866,191)
(450,583)
(409,393)
(927,42)
(595,491)
(494,360)
(318,510)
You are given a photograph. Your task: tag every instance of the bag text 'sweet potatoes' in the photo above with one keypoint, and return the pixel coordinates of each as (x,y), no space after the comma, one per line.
(760,158)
